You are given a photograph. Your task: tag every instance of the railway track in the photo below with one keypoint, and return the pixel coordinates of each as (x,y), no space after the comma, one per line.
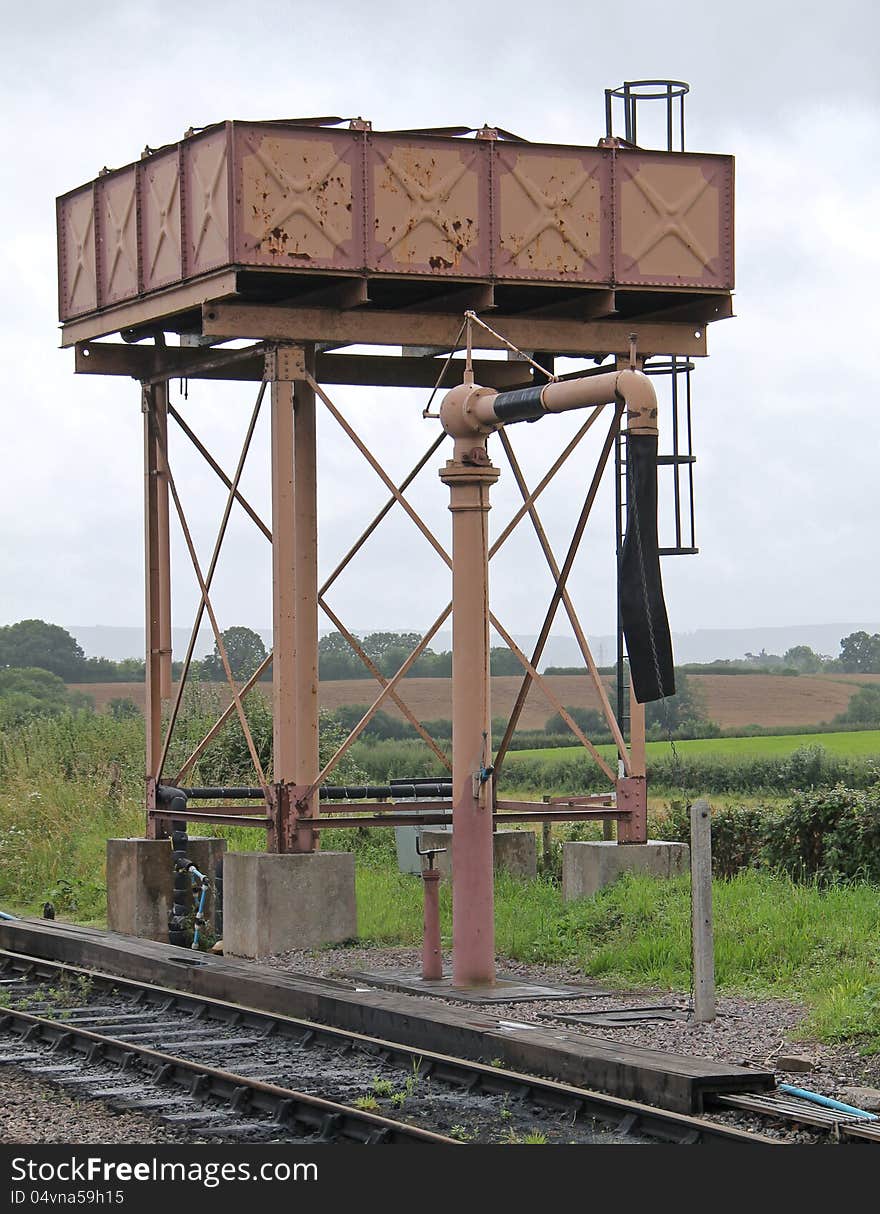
(223,1071)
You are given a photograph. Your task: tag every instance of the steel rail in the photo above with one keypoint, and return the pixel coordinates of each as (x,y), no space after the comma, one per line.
(460,1073)
(292,1109)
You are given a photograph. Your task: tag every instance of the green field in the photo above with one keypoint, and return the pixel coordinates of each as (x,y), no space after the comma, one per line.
(859,743)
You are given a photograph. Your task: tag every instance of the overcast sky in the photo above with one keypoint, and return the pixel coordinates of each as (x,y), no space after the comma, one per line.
(786,416)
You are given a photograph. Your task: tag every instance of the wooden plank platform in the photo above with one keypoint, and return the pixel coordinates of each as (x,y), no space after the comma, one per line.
(505,989)
(671,1081)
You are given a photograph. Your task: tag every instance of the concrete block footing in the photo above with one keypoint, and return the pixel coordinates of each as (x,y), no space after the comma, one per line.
(140,883)
(273,903)
(515,851)
(589,866)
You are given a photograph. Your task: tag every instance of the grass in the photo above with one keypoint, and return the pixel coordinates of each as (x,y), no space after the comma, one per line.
(773,938)
(858,743)
(67,785)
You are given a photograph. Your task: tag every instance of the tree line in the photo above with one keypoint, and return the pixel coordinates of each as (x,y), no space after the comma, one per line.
(33,644)
(37,644)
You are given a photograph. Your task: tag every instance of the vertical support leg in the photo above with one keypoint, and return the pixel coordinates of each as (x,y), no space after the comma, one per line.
(294,596)
(283,610)
(632,791)
(473,915)
(546,846)
(638,754)
(153,585)
(160,413)
(305,581)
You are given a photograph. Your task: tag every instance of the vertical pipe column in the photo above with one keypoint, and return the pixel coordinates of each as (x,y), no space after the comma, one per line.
(153,612)
(432,957)
(469,477)
(294,595)
(160,413)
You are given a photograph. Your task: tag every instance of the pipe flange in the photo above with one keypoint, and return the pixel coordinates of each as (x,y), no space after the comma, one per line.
(459,415)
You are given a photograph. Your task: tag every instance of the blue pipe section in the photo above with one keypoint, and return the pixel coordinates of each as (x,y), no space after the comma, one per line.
(827,1102)
(199,878)
(13,918)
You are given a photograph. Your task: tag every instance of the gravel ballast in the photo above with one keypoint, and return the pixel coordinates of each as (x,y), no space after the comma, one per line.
(748,1032)
(35,1111)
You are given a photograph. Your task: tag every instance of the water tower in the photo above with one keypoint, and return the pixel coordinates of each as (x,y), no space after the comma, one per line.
(273,253)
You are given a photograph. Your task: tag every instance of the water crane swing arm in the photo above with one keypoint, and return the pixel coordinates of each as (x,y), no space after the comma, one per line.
(469,413)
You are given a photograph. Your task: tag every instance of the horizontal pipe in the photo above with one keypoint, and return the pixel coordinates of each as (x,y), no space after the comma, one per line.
(220,819)
(397,818)
(224,807)
(217,794)
(561,803)
(472,411)
(419,780)
(826,1102)
(384,807)
(328,792)
(562,815)
(361,792)
(389,819)
(574,799)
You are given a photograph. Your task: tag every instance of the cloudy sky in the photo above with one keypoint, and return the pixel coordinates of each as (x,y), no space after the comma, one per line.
(786,417)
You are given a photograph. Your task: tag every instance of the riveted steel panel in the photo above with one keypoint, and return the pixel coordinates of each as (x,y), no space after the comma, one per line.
(673,220)
(299,197)
(317,200)
(206,214)
(428,206)
(161,262)
(552,213)
(117,236)
(77,281)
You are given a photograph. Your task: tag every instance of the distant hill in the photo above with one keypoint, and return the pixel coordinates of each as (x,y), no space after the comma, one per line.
(702,645)
(759,699)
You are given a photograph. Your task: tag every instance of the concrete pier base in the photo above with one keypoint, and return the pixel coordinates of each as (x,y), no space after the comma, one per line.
(273,903)
(590,866)
(139,883)
(515,852)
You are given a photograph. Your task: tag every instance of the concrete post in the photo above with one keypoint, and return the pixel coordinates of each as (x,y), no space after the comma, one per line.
(469,477)
(701,913)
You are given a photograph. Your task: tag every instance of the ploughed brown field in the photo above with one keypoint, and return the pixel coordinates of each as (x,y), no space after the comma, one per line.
(731,700)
